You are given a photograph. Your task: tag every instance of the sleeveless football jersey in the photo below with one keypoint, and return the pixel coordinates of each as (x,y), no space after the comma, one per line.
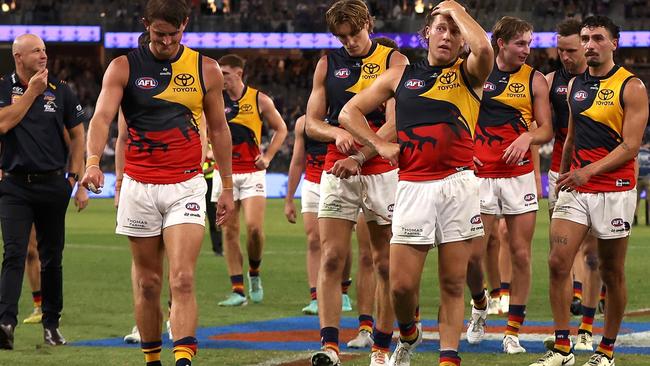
(597,112)
(245,124)
(506,113)
(315,158)
(557,96)
(437,112)
(347,76)
(162,105)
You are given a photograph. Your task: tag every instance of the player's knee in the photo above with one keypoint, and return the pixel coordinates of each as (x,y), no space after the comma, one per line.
(452,286)
(613,276)
(149,286)
(365,260)
(182,282)
(558,266)
(521,258)
(401,289)
(313,244)
(382,268)
(255,233)
(332,260)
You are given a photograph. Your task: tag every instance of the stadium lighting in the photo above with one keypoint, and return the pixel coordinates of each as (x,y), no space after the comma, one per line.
(5,7)
(419,6)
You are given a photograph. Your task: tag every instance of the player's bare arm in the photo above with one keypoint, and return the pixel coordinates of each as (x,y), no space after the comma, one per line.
(108,103)
(296,168)
(567,150)
(271,116)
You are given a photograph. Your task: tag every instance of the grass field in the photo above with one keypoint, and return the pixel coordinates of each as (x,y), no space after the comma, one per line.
(98,301)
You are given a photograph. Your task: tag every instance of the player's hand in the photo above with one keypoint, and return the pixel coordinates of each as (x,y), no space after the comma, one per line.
(225,206)
(262,162)
(573,179)
(290,211)
(345,168)
(518,149)
(38,82)
(93,179)
(389,151)
(447,8)
(81,198)
(345,142)
(116,200)
(477,161)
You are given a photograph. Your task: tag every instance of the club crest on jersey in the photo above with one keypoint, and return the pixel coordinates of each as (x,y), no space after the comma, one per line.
(580,95)
(562,90)
(414,84)
(489,87)
(146,83)
(343,73)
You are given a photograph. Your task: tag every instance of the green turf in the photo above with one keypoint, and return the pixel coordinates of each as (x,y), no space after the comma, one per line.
(98,301)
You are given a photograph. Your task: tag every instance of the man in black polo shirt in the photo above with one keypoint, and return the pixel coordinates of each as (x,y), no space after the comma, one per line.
(35,112)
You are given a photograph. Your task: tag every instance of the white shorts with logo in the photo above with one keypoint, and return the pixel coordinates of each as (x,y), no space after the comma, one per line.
(609,215)
(310,196)
(508,196)
(146,209)
(552,197)
(437,211)
(244,185)
(374,194)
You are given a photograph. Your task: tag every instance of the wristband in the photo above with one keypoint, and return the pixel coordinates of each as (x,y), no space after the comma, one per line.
(92,160)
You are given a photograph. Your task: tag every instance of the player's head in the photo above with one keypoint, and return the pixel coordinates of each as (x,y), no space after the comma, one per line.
(232,67)
(144,39)
(29,53)
(599,36)
(444,41)
(569,48)
(385,41)
(165,21)
(350,21)
(511,38)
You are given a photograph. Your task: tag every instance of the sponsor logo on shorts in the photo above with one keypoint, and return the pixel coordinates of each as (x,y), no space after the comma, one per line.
(414,84)
(192,206)
(623,183)
(580,95)
(529,197)
(409,232)
(489,87)
(617,222)
(475,220)
(619,225)
(391,207)
(259,187)
(343,73)
(332,207)
(136,223)
(146,83)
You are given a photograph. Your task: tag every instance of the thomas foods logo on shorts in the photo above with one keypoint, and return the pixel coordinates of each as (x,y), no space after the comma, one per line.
(332,207)
(409,232)
(136,223)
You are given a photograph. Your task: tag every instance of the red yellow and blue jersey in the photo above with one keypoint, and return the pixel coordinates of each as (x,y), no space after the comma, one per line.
(315,159)
(506,113)
(245,122)
(162,105)
(436,113)
(347,76)
(560,107)
(597,112)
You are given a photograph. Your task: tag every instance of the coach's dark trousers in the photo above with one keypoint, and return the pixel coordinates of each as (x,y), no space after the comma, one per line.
(42,200)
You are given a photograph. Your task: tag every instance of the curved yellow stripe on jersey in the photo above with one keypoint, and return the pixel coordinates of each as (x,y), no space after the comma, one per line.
(517,93)
(249,113)
(371,67)
(606,107)
(185,84)
(450,87)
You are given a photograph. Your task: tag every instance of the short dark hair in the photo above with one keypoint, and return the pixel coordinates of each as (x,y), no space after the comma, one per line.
(595,21)
(385,41)
(143,39)
(569,27)
(174,12)
(508,28)
(232,60)
(353,12)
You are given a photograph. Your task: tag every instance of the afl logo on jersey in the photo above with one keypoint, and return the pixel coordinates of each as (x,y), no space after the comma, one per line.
(414,84)
(580,95)
(146,83)
(562,90)
(342,73)
(489,87)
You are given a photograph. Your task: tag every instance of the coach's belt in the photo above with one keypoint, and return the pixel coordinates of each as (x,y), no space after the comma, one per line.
(33,177)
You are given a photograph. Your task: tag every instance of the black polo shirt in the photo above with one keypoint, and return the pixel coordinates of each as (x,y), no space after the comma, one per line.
(36,144)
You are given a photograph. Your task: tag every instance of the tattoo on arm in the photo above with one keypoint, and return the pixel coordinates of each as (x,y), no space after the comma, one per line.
(559,240)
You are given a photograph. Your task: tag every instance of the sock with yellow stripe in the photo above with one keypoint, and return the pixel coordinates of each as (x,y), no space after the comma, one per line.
(606,347)
(38,299)
(237,284)
(516,315)
(329,338)
(408,333)
(586,326)
(577,289)
(480,301)
(184,350)
(151,352)
(382,340)
(449,358)
(366,322)
(562,342)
